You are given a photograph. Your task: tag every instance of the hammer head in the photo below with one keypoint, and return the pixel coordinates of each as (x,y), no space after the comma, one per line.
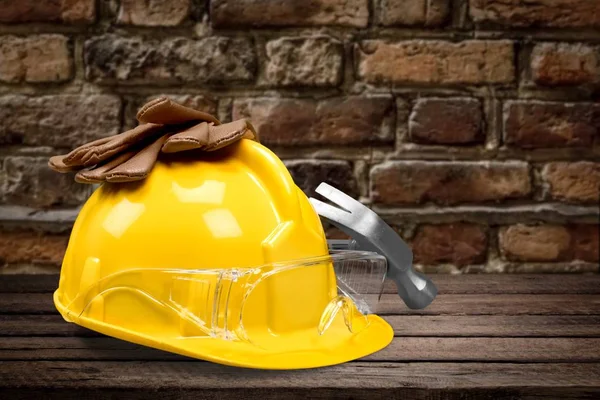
(371,233)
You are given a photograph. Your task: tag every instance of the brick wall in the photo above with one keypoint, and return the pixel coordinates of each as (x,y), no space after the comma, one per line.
(471,125)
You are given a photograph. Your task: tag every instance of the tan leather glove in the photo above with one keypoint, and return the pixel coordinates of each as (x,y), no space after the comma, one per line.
(165,111)
(166,127)
(209,137)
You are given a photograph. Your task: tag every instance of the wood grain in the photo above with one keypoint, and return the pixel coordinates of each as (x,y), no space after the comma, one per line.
(485,336)
(415,349)
(359,380)
(41,325)
(496,304)
(495,325)
(404,325)
(28,283)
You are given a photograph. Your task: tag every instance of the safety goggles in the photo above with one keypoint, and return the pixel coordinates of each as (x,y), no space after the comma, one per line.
(265,305)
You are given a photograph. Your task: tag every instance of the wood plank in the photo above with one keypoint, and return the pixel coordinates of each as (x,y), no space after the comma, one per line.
(554,350)
(28,283)
(447,284)
(414,349)
(513,284)
(518,284)
(27,303)
(404,325)
(496,304)
(41,325)
(495,325)
(359,380)
(451,304)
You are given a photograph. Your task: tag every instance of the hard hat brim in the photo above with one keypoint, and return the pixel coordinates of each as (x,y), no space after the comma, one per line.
(376,336)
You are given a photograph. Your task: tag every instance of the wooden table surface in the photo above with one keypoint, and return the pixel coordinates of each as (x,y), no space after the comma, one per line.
(485,336)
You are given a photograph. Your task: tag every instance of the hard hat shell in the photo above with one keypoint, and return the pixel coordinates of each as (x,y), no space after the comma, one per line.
(237,207)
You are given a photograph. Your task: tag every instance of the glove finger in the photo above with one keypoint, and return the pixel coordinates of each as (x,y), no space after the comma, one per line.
(58,165)
(189,139)
(251,133)
(98,174)
(138,166)
(165,111)
(223,135)
(119,144)
(70,162)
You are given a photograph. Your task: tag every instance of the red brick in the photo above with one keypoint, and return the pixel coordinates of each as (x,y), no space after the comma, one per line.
(308,174)
(307,61)
(534,243)
(573,182)
(28,181)
(413,12)
(42,58)
(538,13)
(138,60)
(585,240)
(459,244)
(415,182)
(153,12)
(554,64)
(549,243)
(349,120)
(531,124)
(32,247)
(261,13)
(66,11)
(58,120)
(436,61)
(446,121)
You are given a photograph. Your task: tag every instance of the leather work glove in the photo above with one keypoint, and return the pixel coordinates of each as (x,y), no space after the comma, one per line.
(166,127)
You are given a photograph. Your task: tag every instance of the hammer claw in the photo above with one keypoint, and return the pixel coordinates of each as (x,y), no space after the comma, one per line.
(371,233)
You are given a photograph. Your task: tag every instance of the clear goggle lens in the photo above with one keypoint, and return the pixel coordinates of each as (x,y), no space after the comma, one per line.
(320,296)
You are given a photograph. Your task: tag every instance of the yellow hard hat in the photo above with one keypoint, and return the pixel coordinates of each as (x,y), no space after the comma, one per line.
(219,257)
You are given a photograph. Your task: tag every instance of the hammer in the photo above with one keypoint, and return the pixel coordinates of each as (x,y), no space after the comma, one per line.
(370,233)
